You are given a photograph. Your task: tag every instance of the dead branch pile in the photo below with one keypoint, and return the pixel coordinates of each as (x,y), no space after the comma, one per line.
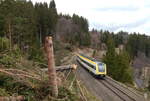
(20,74)
(25,76)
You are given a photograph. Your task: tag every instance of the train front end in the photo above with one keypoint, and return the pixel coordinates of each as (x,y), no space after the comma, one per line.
(101,69)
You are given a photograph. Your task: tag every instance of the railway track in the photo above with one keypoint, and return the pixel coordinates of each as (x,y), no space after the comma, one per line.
(118,92)
(135,93)
(109,89)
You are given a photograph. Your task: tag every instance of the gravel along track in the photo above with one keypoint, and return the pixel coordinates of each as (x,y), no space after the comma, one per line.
(106,90)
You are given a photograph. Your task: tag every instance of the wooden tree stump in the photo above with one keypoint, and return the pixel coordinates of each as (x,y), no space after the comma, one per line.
(51,66)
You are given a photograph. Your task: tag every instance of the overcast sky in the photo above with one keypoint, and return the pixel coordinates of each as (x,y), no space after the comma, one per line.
(112,15)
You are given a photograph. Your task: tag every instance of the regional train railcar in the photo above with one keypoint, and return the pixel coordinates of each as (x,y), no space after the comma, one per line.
(96,67)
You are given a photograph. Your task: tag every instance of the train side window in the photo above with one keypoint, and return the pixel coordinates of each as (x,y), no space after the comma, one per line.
(88,64)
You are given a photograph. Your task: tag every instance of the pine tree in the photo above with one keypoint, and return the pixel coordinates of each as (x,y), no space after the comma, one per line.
(110,58)
(124,72)
(118,66)
(1,26)
(53,16)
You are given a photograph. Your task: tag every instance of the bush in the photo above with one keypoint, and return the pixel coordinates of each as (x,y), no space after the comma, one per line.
(4,44)
(3,92)
(10,58)
(37,55)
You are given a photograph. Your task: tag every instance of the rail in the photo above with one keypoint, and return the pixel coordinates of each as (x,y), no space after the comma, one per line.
(120,93)
(125,87)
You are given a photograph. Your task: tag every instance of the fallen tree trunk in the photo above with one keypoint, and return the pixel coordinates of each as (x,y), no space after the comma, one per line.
(11,98)
(61,68)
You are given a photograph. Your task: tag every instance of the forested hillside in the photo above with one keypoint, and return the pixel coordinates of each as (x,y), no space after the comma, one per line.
(23,28)
(133,42)
(27,25)
(132,46)
(75,31)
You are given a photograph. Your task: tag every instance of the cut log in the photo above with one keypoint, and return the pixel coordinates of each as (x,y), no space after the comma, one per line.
(61,68)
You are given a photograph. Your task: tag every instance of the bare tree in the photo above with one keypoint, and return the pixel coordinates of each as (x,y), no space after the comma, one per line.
(51,65)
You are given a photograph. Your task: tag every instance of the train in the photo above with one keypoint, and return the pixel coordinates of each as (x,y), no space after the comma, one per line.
(97,68)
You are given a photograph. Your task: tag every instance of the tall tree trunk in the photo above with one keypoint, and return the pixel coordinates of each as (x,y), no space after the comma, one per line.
(51,66)
(40,36)
(9,30)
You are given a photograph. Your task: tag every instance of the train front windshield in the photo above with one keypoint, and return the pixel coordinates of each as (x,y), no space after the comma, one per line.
(101,67)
